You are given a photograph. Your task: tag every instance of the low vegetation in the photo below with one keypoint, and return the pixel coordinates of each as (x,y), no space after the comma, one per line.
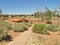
(4,27)
(40,28)
(45,28)
(27,24)
(19,27)
(6,24)
(53,28)
(3,33)
(16,27)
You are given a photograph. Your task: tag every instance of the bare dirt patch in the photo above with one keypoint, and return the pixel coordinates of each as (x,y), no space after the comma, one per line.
(51,39)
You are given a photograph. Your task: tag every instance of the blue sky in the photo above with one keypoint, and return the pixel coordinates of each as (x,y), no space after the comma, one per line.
(26,6)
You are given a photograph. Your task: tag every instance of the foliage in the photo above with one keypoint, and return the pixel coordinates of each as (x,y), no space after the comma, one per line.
(53,28)
(3,30)
(5,24)
(36,14)
(56,13)
(47,15)
(58,28)
(18,27)
(25,27)
(0,11)
(27,24)
(3,33)
(40,28)
(4,27)
(44,28)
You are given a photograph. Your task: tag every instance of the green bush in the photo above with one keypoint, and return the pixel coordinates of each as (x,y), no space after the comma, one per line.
(53,28)
(6,24)
(40,28)
(4,27)
(27,24)
(18,27)
(25,27)
(3,33)
(58,28)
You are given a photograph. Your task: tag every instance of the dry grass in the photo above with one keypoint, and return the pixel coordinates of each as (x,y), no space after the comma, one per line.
(51,39)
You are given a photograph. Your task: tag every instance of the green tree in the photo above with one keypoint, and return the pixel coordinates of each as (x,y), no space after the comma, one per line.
(0,11)
(36,14)
(56,13)
(48,14)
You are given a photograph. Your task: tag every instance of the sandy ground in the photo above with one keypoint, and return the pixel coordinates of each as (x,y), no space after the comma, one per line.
(51,39)
(22,39)
(34,41)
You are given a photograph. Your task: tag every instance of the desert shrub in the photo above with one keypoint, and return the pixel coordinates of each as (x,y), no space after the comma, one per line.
(58,28)
(40,28)
(4,27)
(53,27)
(25,27)
(27,24)
(18,27)
(6,24)
(3,33)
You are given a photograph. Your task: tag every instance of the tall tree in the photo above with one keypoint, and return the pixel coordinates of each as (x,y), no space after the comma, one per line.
(0,11)
(48,14)
(56,13)
(37,14)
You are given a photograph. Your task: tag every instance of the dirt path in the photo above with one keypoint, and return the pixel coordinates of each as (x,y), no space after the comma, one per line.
(34,41)
(22,39)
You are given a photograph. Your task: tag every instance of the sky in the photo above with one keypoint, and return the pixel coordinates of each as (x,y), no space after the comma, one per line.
(26,6)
